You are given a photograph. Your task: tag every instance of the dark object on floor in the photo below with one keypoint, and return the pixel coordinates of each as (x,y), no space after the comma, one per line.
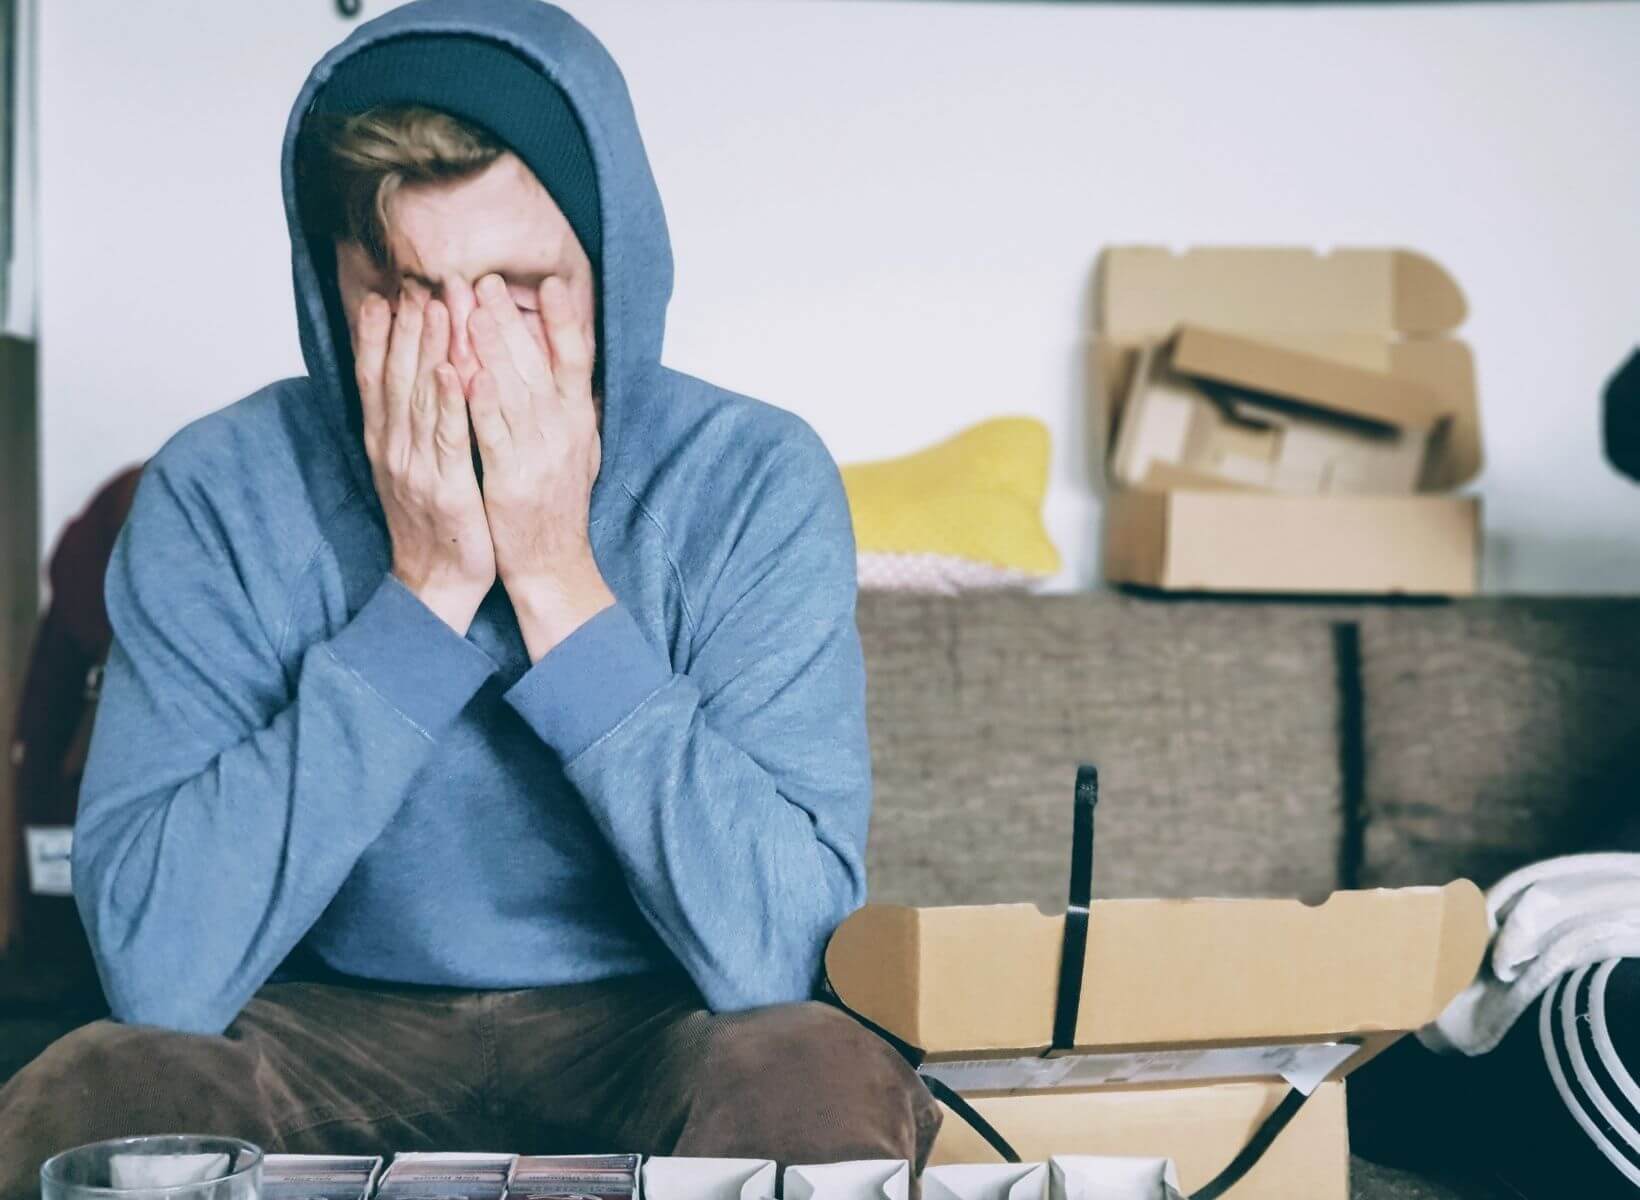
(1622,418)
(1536,1111)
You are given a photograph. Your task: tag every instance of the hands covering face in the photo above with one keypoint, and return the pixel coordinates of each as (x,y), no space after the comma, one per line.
(535,426)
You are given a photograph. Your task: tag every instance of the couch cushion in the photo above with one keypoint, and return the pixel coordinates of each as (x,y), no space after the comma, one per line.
(1214,724)
(1496,732)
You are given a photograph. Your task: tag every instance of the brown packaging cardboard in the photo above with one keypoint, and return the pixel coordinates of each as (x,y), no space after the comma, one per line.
(1196,1018)
(1284,421)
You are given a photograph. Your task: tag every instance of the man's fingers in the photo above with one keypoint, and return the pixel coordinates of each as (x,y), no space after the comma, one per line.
(571,345)
(450,442)
(520,348)
(399,375)
(435,335)
(425,399)
(512,394)
(368,356)
(489,426)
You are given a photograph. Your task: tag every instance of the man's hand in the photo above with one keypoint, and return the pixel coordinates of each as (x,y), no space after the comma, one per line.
(415,434)
(537,434)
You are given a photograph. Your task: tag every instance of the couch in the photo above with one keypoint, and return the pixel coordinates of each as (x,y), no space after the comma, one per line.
(1246,748)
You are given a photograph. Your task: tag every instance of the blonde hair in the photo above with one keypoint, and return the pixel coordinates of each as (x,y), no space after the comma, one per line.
(348,167)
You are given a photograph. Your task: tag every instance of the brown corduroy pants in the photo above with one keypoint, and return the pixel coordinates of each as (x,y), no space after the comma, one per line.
(633,1065)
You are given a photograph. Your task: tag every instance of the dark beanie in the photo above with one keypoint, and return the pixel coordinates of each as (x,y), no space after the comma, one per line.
(487,83)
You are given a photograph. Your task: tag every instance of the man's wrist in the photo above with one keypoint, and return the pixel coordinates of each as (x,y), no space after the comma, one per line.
(454,604)
(551,607)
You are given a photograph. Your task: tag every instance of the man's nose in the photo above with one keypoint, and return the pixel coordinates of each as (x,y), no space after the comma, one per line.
(457,295)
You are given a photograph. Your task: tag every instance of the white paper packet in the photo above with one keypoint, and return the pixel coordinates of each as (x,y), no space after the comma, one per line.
(1112,1177)
(986,1181)
(864,1179)
(708,1178)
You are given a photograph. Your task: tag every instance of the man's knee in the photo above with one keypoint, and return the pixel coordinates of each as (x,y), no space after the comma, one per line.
(805,1081)
(108,1066)
(108,1079)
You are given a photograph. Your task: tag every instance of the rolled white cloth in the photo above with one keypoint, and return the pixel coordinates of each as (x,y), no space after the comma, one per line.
(1547,918)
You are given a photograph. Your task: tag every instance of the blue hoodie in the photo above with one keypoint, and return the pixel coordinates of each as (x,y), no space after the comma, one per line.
(292,751)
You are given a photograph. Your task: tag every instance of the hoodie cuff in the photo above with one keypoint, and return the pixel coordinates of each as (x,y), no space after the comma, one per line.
(590,682)
(407,654)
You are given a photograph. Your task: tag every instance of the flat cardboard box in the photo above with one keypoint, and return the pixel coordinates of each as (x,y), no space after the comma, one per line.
(1247,413)
(1384,313)
(1196,1017)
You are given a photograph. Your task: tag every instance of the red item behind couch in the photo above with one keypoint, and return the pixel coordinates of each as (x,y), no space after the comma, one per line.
(51,962)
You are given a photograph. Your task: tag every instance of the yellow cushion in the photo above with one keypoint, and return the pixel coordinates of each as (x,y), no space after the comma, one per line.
(972,503)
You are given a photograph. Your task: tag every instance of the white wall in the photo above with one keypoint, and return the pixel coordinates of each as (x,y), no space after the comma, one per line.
(886,214)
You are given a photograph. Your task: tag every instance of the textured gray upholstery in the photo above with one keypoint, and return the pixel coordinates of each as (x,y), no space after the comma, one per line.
(1215,727)
(1496,733)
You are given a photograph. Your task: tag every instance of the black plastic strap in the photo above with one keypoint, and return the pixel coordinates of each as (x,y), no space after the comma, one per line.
(944,1093)
(1074,953)
(937,1088)
(1254,1149)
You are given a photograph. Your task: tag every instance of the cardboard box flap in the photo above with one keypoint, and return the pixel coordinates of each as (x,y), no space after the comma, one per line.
(1144,291)
(1376,397)
(980,979)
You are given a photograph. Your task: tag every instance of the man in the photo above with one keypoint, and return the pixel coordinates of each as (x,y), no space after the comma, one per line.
(482,759)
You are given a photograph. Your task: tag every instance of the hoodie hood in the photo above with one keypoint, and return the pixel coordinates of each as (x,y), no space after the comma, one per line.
(634,280)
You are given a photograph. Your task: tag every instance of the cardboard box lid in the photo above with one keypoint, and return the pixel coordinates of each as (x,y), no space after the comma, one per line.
(1377,309)
(1144,291)
(1376,397)
(976,979)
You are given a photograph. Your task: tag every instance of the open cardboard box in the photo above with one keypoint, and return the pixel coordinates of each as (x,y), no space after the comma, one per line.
(1196,1018)
(1343,484)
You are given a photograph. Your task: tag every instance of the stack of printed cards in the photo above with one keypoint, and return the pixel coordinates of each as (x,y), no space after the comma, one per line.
(574,1177)
(446,1177)
(318,1177)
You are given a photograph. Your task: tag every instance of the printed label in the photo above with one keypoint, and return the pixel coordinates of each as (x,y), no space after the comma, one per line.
(48,852)
(1302,1066)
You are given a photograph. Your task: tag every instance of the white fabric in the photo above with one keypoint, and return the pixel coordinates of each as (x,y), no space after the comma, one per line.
(942,574)
(164,1170)
(1547,919)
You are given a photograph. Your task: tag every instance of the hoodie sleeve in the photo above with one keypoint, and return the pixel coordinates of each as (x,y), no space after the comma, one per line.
(736,795)
(225,799)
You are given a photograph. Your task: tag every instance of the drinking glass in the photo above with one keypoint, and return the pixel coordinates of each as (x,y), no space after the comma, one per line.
(165,1167)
